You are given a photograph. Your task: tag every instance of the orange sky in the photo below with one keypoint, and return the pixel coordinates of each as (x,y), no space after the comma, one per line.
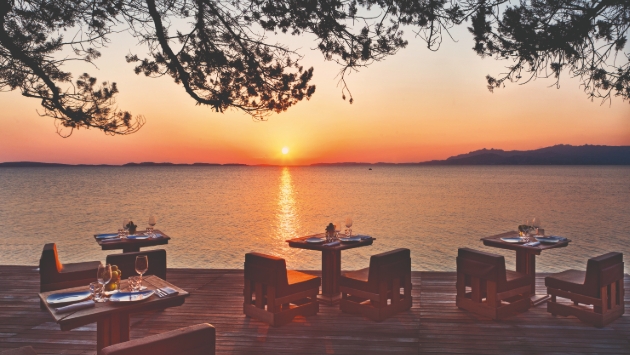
(415,106)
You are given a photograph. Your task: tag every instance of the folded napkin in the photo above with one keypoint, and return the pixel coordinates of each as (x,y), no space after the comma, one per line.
(332,244)
(167,291)
(157,235)
(363,237)
(532,244)
(75,307)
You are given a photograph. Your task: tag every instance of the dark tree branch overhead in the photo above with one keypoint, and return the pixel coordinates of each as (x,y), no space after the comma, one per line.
(221,53)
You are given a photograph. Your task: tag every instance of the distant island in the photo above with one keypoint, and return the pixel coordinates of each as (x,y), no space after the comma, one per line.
(561,154)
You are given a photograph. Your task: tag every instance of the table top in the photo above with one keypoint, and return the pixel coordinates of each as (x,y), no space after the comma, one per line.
(495,241)
(301,243)
(113,244)
(103,310)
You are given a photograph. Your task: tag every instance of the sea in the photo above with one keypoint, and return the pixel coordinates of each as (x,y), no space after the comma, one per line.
(216,214)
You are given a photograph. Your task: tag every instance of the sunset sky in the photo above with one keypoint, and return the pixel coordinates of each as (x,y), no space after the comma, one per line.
(415,106)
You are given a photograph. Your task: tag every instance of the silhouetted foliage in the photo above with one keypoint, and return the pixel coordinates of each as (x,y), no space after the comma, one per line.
(220,51)
(546,37)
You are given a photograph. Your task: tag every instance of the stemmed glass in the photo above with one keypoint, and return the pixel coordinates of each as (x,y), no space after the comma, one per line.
(348,226)
(142,265)
(536,224)
(103,275)
(152,223)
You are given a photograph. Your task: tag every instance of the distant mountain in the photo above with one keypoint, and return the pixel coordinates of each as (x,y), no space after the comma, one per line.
(34,164)
(557,155)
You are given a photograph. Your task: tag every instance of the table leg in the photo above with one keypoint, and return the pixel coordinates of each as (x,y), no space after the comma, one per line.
(131,249)
(526,263)
(331,271)
(112,330)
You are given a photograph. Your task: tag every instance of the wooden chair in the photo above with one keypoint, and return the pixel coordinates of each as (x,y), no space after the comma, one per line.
(198,339)
(280,294)
(495,292)
(126,263)
(600,286)
(53,275)
(26,350)
(374,292)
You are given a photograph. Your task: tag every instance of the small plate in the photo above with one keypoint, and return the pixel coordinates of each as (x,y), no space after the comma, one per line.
(131,296)
(547,239)
(314,240)
(512,240)
(137,237)
(59,298)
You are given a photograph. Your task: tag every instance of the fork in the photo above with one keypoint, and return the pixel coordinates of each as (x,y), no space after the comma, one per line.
(160,293)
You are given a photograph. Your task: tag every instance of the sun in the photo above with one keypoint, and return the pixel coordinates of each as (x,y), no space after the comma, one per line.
(285,150)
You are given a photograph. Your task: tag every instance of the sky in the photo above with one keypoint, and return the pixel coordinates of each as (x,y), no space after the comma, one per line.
(417,105)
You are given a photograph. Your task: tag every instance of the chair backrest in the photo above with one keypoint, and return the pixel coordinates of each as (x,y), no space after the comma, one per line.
(603,270)
(480,264)
(266,269)
(126,263)
(49,263)
(198,339)
(389,265)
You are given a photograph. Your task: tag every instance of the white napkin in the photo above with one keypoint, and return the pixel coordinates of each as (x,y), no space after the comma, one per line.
(75,307)
(332,244)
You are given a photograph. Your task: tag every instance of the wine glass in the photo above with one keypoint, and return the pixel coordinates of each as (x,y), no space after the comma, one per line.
(348,226)
(103,275)
(142,265)
(536,224)
(152,223)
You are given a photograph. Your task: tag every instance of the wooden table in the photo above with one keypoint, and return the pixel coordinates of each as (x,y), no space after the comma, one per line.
(525,257)
(112,319)
(132,245)
(331,264)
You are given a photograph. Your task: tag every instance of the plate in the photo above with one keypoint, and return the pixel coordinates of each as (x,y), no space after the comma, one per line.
(547,239)
(131,296)
(68,297)
(314,240)
(137,237)
(512,240)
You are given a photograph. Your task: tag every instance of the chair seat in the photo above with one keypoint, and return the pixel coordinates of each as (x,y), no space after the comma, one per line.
(357,280)
(298,282)
(569,280)
(514,280)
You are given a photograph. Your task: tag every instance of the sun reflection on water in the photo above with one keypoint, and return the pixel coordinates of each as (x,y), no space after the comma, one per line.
(287,215)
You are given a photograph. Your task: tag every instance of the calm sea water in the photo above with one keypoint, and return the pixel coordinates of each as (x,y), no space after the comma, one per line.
(217,214)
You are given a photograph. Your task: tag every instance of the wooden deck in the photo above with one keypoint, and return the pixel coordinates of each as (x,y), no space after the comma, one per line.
(434,325)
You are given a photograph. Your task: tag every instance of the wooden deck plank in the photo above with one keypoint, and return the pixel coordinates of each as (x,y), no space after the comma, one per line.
(433,326)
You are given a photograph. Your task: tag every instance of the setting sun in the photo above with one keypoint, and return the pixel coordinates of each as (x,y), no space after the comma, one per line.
(285,150)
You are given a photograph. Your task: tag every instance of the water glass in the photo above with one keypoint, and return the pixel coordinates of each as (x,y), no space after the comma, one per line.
(135,283)
(95,290)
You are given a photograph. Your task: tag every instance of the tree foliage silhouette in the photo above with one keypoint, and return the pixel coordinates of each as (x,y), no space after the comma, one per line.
(221,53)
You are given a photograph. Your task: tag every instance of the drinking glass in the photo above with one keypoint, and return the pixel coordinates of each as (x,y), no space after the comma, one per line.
(103,275)
(348,226)
(95,289)
(135,283)
(142,265)
(125,223)
(152,223)
(536,224)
